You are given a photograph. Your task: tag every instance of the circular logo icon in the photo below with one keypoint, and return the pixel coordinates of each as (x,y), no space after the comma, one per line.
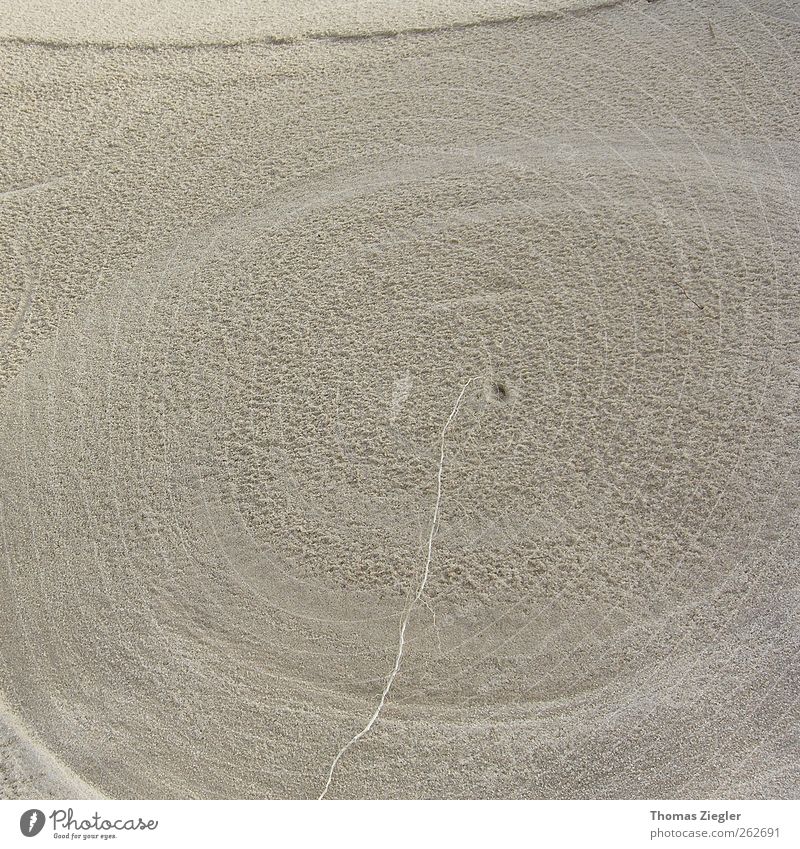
(31,822)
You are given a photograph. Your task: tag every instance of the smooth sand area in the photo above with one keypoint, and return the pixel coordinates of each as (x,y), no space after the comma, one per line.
(250,255)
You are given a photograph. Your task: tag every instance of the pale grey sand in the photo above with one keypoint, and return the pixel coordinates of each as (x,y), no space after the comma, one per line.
(148,23)
(29,769)
(241,288)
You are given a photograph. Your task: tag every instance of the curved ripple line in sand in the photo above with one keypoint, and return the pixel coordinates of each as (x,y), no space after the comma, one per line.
(38,760)
(103,25)
(214,529)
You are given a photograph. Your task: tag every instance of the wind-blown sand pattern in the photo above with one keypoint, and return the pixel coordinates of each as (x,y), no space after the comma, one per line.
(249,257)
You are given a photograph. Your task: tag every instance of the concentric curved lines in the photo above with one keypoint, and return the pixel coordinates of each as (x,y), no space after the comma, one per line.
(216,499)
(505,641)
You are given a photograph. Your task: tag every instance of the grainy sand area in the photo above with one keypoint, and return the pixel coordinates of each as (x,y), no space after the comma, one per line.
(252,256)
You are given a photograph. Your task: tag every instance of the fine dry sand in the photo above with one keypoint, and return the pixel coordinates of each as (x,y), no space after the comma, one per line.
(251,254)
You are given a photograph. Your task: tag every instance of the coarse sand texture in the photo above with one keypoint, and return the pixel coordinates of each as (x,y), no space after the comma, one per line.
(399,399)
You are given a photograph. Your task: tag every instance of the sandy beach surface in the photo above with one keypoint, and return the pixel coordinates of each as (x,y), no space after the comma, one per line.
(439,350)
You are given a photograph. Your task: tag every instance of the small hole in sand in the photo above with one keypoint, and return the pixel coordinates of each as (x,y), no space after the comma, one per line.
(500,391)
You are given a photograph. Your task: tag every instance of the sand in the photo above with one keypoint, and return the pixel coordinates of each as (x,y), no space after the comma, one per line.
(250,256)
